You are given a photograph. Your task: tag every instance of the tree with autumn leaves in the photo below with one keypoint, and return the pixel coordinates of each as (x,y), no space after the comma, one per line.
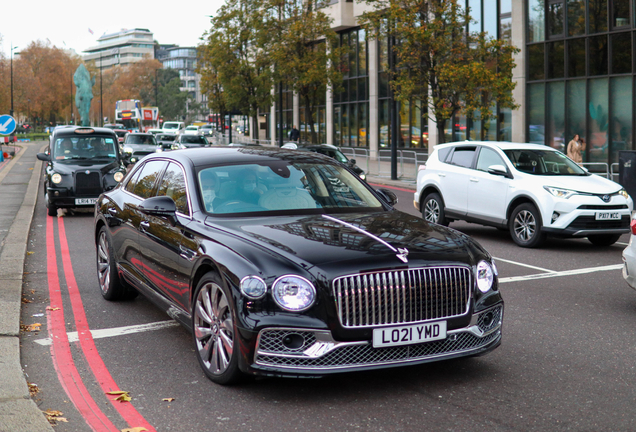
(440,65)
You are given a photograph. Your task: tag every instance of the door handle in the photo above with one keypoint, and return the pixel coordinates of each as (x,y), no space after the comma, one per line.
(112,211)
(144,225)
(474,180)
(442,174)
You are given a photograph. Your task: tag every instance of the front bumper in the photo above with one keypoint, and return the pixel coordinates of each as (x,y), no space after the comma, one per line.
(317,353)
(629,264)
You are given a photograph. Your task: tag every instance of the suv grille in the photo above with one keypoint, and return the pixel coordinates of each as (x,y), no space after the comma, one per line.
(397,297)
(590,223)
(88,185)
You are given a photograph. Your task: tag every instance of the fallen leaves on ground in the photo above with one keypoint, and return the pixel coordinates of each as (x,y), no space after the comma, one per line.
(35,327)
(167,399)
(33,389)
(30,253)
(122,395)
(135,429)
(54,416)
(26,300)
(52,308)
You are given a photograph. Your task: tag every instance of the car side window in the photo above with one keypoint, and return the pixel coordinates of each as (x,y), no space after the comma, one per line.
(173,185)
(463,156)
(150,172)
(130,186)
(488,157)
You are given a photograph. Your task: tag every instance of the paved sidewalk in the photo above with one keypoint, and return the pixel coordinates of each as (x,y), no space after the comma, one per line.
(19,180)
(19,185)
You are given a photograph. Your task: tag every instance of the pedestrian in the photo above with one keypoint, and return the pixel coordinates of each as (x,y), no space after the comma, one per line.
(294,134)
(575,147)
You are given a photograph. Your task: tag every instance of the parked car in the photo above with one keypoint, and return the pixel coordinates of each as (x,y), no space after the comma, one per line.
(191,130)
(173,127)
(329,150)
(285,263)
(137,145)
(154,131)
(629,257)
(531,190)
(81,163)
(186,141)
(165,140)
(207,130)
(121,135)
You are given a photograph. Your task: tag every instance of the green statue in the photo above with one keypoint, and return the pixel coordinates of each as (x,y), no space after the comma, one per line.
(83,93)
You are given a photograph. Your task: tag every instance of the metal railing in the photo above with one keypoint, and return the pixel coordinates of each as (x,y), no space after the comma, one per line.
(408,163)
(599,168)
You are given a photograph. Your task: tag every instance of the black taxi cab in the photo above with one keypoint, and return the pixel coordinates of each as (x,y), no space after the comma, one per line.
(82,162)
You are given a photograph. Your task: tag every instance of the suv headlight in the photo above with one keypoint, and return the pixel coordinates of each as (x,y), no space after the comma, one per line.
(56,178)
(485,276)
(560,193)
(623,193)
(128,150)
(294,293)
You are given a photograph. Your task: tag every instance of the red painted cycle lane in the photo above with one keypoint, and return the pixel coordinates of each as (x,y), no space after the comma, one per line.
(95,362)
(63,362)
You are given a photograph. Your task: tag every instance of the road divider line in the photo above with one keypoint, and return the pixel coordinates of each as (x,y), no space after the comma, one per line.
(127,410)
(562,273)
(115,331)
(524,265)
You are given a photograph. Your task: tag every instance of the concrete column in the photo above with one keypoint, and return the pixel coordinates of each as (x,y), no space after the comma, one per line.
(296,116)
(374,103)
(329,115)
(272,119)
(519,72)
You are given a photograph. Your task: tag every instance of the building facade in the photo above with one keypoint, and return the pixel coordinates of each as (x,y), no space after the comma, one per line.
(121,48)
(184,60)
(574,74)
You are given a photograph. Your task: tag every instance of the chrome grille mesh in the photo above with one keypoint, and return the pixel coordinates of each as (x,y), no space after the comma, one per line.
(407,296)
(272,341)
(366,355)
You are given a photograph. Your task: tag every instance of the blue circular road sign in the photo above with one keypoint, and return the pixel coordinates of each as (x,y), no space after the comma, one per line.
(7,124)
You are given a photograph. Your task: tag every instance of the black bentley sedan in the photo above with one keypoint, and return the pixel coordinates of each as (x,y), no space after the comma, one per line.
(285,263)
(82,162)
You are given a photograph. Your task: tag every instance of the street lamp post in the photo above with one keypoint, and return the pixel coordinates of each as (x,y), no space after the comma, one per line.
(12,48)
(101,95)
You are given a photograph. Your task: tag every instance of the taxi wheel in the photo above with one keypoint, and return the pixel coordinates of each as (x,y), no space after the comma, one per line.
(603,239)
(52,209)
(214,331)
(111,286)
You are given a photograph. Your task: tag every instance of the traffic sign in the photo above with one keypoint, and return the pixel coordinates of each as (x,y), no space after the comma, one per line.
(7,124)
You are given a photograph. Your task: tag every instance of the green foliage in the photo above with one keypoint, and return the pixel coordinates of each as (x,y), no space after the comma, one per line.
(439,63)
(172,101)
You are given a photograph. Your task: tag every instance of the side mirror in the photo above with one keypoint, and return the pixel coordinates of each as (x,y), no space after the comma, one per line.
(159,206)
(499,170)
(352,162)
(388,196)
(44,157)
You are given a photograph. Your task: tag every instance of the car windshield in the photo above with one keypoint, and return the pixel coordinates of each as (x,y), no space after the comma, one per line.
(141,139)
(193,139)
(86,147)
(544,162)
(170,126)
(333,153)
(166,137)
(191,128)
(282,186)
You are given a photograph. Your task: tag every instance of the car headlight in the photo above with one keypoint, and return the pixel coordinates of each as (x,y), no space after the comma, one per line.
(623,193)
(118,176)
(128,150)
(485,276)
(158,150)
(363,176)
(56,178)
(294,293)
(560,193)
(253,287)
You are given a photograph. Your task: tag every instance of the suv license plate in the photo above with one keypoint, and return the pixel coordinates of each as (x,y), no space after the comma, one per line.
(608,216)
(82,201)
(409,335)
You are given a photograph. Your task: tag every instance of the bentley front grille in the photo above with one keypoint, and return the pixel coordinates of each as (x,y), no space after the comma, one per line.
(88,185)
(402,297)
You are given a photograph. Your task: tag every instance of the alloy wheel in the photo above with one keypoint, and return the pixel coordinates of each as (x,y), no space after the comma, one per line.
(213,328)
(103,263)
(431,211)
(525,225)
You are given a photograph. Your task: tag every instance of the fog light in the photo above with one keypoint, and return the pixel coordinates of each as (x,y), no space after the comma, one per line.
(56,193)
(488,318)
(293,341)
(555,216)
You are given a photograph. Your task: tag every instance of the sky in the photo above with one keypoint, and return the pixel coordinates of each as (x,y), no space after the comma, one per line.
(66,23)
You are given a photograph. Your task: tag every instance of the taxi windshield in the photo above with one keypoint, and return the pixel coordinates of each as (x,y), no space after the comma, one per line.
(86,147)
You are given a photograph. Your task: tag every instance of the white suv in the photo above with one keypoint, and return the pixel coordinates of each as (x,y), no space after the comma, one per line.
(529,189)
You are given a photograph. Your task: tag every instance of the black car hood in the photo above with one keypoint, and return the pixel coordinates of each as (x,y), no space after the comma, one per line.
(70,166)
(387,240)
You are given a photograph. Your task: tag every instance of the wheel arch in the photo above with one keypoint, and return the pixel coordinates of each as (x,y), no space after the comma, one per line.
(427,191)
(522,199)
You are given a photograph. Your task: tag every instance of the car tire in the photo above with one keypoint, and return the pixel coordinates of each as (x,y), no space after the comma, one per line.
(525,226)
(51,208)
(603,240)
(111,285)
(214,331)
(433,209)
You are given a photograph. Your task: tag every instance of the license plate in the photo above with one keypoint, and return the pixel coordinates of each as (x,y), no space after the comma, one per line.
(85,201)
(608,216)
(409,335)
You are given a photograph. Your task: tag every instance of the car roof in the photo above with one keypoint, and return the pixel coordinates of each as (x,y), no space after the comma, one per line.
(216,155)
(70,131)
(503,145)
(140,133)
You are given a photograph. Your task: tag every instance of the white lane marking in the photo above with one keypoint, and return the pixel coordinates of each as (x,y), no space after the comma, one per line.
(524,265)
(562,273)
(117,331)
